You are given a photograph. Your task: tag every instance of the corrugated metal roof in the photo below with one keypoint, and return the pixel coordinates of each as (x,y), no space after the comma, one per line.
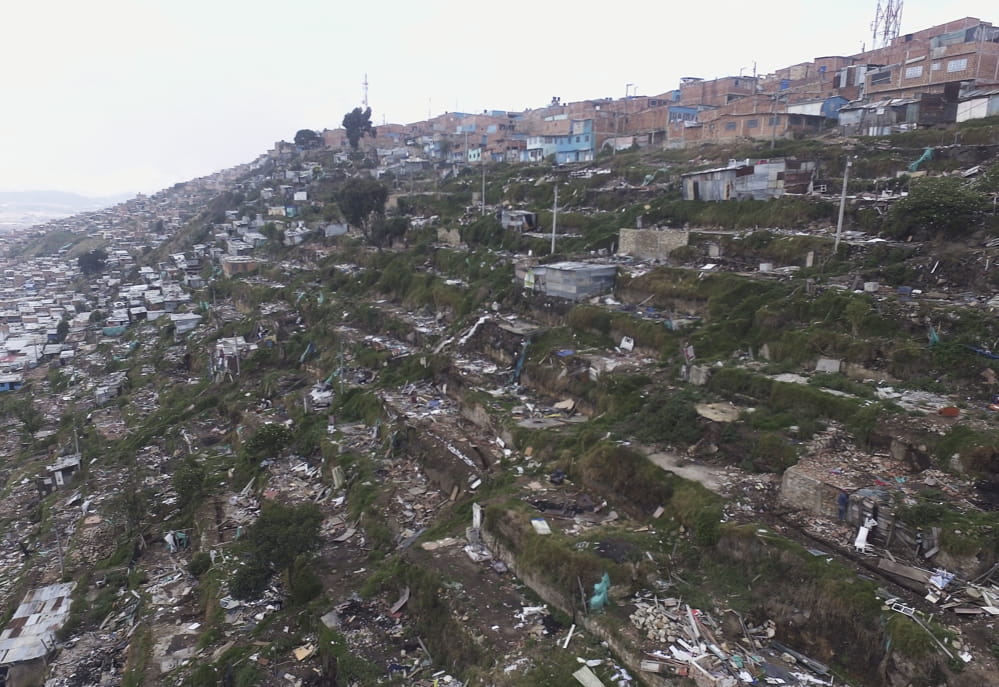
(890,102)
(716,169)
(30,633)
(980,93)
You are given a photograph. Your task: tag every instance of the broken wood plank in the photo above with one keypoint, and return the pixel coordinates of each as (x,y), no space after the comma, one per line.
(587,678)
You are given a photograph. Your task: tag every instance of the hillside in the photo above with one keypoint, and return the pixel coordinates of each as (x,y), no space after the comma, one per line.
(322,428)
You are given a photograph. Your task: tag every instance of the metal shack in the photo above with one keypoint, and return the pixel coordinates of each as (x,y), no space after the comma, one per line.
(574,280)
(749,179)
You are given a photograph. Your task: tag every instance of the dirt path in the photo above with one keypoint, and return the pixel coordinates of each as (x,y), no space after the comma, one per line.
(708,475)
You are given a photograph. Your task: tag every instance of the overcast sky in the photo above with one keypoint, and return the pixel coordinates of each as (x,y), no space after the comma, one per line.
(112,96)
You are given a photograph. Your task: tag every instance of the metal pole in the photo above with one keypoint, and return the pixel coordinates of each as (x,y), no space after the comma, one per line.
(554,216)
(773,123)
(842,205)
(482,163)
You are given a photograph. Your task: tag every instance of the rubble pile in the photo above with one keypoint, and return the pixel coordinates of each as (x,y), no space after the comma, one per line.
(832,457)
(98,660)
(413,500)
(244,615)
(696,649)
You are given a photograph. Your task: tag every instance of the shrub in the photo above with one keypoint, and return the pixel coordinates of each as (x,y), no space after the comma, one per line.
(269,440)
(278,537)
(936,205)
(200,564)
(304,584)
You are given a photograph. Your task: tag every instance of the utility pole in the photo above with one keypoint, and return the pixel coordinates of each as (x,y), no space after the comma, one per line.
(55,529)
(482,163)
(773,122)
(554,217)
(842,205)
(340,371)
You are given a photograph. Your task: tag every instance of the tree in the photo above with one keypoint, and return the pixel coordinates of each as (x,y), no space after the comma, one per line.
(856,313)
(936,205)
(92,262)
(357,122)
(268,441)
(307,138)
(276,539)
(386,230)
(62,329)
(361,197)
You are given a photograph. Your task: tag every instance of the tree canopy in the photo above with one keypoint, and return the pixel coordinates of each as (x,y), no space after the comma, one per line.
(357,122)
(359,198)
(92,262)
(276,539)
(307,138)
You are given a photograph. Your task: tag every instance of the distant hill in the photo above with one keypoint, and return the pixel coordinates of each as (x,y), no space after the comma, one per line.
(19,209)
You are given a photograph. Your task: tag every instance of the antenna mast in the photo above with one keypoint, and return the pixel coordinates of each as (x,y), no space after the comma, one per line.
(887,22)
(365,84)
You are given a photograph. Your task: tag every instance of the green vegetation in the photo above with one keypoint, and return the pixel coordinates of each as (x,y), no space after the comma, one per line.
(944,205)
(357,124)
(275,542)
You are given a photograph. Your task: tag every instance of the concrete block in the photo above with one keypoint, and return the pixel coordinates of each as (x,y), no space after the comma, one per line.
(830,365)
(699,374)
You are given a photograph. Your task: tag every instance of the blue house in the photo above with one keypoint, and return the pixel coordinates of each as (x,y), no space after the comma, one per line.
(577,145)
(11,382)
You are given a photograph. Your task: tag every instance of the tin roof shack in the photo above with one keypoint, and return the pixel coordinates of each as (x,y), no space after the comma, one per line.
(30,634)
(59,474)
(185,322)
(748,179)
(518,220)
(977,104)
(574,280)
(883,117)
(11,382)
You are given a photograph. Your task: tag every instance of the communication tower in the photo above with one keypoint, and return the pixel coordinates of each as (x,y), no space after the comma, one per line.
(887,22)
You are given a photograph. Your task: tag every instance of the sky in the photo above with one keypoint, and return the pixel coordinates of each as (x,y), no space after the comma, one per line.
(123,96)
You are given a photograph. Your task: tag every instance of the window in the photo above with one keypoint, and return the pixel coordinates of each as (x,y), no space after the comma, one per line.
(795,119)
(577,139)
(914,72)
(881,77)
(774,120)
(729,126)
(753,123)
(586,138)
(935,67)
(957,65)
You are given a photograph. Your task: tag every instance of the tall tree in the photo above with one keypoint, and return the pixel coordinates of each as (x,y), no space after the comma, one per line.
(92,262)
(361,197)
(357,122)
(307,138)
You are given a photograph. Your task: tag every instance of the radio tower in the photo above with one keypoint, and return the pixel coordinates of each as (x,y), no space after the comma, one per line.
(365,84)
(887,21)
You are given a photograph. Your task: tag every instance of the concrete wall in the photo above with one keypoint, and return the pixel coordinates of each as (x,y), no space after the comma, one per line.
(451,237)
(799,490)
(651,243)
